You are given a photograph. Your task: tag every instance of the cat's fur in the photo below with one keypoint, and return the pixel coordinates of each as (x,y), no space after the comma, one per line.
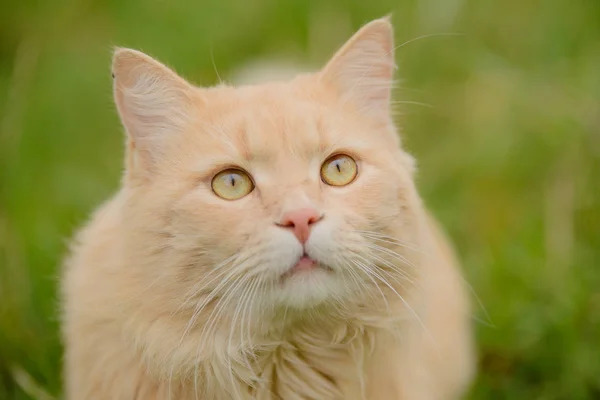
(174,293)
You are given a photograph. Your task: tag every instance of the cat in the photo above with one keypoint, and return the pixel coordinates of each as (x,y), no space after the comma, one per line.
(267,242)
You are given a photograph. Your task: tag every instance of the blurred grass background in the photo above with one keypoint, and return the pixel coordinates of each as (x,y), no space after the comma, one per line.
(509,155)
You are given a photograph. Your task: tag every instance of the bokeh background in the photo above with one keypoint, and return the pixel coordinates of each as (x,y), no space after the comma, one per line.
(504,120)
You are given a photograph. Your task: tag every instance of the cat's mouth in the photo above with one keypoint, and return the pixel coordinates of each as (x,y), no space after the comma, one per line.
(305,265)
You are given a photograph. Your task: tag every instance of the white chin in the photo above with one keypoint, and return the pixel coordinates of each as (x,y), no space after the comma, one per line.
(307,289)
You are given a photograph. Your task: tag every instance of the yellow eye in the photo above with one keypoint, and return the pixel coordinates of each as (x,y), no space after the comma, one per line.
(339,170)
(232,184)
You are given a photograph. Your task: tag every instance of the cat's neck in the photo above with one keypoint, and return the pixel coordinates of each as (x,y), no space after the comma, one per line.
(333,356)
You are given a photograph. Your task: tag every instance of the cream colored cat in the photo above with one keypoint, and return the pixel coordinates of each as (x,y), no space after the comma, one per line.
(268,242)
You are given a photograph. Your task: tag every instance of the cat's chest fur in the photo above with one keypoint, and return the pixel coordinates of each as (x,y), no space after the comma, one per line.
(286,370)
(305,367)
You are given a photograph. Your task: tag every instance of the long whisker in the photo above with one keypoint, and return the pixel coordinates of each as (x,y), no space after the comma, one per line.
(404,44)
(383,235)
(398,271)
(226,298)
(416,103)
(364,74)
(237,313)
(249,348)
(195,290)
(391,240)
(412,311)
(211,296)
(360,285)
(489,323)
(377,236)
(367,271)
(395,256)
(238,308)
(245,325)
(212,59)
(223,301)
(428,36)
(237,264)
(212,320)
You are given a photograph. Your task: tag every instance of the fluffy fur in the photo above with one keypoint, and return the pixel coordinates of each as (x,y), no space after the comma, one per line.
(174,293)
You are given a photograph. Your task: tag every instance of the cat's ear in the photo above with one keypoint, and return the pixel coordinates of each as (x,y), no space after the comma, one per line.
(363,68)
(153,103)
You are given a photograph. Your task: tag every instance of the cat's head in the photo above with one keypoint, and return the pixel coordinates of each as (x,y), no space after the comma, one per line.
(281,195)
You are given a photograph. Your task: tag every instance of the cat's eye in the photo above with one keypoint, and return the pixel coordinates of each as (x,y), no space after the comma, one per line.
(339,170)
(232,184)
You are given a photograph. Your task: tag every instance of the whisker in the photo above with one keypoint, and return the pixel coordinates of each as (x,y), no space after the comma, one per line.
(412,311)
(249,308)
(416,103)
(489,322)
(389,252)
(247,350)
(394,254)
(194,290)
(212,59)
(238,310)
(394,268)
(212,320)
(483,322)
(367,271)
(377,236)
(361,286)
(391,240)
(364,74)
(211,296)
(430,35)
(225,299)
(234,270)
(221,304)
(219,307)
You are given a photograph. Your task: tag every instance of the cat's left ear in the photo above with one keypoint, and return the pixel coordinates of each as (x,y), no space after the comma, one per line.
(363,69)
(153,103)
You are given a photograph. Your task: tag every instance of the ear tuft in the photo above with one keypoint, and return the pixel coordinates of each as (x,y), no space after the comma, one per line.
(363,68)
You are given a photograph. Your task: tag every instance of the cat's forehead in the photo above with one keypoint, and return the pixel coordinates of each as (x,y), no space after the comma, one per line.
(267,121)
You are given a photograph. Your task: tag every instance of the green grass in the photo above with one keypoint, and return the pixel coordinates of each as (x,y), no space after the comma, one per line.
(509,155)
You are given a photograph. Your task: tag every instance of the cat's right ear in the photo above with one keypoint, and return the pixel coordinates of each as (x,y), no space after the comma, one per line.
(153,103)
(363,69)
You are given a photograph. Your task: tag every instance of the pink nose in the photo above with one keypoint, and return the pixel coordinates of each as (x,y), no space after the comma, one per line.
(300,221)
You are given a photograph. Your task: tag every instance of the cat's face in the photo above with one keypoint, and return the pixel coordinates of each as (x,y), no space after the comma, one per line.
(311,179)
(284,194)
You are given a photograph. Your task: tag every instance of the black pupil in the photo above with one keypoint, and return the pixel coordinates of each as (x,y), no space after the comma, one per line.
(232,179)
(338,165)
